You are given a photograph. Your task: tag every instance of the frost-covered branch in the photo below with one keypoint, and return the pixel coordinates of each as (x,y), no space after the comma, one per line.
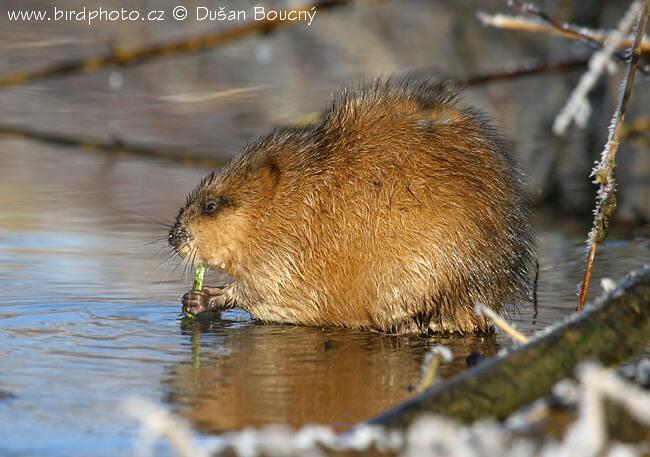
(537,25)
(578,108)
(603,172)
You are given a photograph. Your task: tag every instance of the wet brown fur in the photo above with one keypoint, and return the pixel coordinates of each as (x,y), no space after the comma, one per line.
(399,212)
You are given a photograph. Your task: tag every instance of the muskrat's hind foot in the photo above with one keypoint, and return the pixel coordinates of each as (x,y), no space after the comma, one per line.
(207,299)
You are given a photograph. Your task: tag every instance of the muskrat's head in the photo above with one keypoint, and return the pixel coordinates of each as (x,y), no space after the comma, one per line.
(218,220)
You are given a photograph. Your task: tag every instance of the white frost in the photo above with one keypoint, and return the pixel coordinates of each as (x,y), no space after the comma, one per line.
(577,107)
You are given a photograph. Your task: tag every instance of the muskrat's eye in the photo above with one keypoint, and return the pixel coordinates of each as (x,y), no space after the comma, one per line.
(210,206)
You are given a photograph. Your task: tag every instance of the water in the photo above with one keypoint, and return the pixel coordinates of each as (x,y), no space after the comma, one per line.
(89,310)
(89,316)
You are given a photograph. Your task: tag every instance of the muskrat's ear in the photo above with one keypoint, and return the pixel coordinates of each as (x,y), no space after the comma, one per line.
(269,174)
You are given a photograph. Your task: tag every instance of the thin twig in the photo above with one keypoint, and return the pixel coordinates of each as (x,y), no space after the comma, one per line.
(529,8)
(535,288)
(483,310)
(430,366)
(199,43)
(581,33)
(603,173)
(526,69)
(524,24)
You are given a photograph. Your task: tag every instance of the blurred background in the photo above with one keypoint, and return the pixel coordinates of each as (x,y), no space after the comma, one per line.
(212,103)
(89,307)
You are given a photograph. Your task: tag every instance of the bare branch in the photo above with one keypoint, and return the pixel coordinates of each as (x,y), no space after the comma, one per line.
(525,69)
(115,147)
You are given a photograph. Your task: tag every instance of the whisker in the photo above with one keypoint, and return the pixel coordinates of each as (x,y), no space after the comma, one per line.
(169,257)
(187,265)
(149,220)
(193,257)
(160,239)
(166,257)
(178,264)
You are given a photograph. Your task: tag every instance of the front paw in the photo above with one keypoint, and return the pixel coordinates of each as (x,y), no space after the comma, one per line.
(196,302)
(206,299)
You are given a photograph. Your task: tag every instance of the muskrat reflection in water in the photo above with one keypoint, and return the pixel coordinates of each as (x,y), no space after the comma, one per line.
(398,212)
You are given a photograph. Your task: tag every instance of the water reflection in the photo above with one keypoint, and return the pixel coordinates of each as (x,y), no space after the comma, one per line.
(297,375)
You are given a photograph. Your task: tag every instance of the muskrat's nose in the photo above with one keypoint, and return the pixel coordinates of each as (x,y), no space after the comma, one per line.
(178,236)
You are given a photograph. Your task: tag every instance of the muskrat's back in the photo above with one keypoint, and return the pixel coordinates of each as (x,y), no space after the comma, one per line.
(399,212)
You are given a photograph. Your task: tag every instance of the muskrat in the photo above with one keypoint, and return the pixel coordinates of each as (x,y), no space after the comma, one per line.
(398,212)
